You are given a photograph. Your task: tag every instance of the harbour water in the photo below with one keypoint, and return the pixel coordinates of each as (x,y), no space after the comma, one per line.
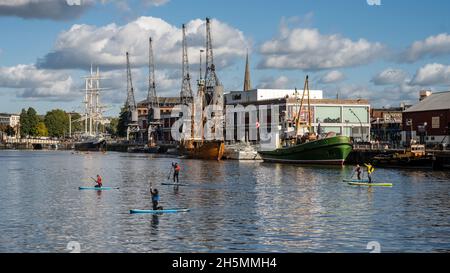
(235,206)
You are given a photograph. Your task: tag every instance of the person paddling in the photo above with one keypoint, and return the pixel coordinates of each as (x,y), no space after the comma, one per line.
(176,171)
(370,170)
(358,171)
(155,198)
(99,181)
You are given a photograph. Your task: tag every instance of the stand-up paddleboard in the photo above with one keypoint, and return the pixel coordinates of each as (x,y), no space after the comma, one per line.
(97,188)
(370,184)
(143,211)
(174,184)
(356,180)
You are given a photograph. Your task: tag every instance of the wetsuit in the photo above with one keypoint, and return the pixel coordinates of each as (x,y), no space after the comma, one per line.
(176,172)
(155,198)
(358,172)
(99,182)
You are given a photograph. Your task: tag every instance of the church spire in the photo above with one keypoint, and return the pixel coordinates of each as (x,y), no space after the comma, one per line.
(247,84)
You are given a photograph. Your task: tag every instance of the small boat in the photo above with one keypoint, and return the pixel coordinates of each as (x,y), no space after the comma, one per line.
(98,188)
(370,184)
(143,211)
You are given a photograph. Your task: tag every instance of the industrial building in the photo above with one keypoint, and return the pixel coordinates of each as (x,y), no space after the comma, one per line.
(429,120)
(386,124)
(348,117)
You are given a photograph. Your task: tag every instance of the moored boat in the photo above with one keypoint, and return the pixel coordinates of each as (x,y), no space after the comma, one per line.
(329,151)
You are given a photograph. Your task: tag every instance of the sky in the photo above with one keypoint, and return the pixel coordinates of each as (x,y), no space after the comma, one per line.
(382,50)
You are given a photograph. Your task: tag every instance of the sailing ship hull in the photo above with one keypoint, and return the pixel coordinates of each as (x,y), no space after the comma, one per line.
(208,150)
(327,151)
(91,146)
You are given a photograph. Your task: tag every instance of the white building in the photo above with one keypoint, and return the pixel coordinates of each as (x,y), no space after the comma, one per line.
(12,120)
(253,95)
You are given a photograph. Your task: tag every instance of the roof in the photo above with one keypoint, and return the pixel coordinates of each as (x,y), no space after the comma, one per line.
(437,101)
(162,101)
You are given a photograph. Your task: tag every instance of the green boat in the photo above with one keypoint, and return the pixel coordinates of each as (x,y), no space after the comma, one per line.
(328,151)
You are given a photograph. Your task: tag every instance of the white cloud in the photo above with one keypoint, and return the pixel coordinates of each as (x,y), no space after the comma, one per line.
(43,9)
(432,74)
(106,45)
(432,46)
(333,76)
(63,9)
(29,82)
(390,76)
(282,82)
(308,49)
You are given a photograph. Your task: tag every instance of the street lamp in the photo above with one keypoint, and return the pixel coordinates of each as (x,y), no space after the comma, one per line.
(360,123)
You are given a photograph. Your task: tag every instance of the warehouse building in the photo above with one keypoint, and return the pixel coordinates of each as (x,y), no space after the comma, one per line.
(428,121)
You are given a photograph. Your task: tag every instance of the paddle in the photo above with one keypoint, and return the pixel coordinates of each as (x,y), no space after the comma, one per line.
(170,172)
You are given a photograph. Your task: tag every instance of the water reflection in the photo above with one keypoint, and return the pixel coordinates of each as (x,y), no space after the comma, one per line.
(235,206)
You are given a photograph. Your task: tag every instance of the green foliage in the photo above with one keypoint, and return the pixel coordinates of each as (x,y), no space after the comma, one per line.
(78,125)
(57,122)
(29,121)
(42,129)
(111,128)
(122,123)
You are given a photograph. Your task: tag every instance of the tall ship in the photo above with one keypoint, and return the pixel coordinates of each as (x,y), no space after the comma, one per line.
(209,93)
(92,139)
(307,146)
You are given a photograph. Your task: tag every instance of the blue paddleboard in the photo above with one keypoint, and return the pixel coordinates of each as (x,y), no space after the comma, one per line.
(143,211)
(174,184)
(97,188)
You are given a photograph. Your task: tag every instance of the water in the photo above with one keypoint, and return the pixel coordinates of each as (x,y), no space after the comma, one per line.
(235,206)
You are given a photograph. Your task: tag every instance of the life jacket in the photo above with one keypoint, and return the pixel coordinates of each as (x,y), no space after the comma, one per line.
(155,196)
(177,168)
(99,180)
(370,168)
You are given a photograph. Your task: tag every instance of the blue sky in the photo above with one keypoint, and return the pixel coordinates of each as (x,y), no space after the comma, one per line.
(386,53)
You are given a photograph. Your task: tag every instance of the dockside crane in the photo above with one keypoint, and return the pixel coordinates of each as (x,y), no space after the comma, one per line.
(213,87)
(130,105)
(154,114)
(186,89)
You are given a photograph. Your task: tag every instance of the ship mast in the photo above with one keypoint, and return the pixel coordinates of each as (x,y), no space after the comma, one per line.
(297,121)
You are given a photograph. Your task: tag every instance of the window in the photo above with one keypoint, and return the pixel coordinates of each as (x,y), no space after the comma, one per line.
(356,114)
(328,129)
(328,114)
(236,97)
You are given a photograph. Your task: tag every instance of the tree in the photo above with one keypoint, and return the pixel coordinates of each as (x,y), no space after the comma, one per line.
(10,131)
(24,124)
(122,122)
(76,126)
(33,120)
(29,121)
(42,129)
(57,122)
(111,128)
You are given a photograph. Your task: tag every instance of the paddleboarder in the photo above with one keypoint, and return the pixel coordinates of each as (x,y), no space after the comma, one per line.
(99,181)
(176,171)
(370,170)
(358,171)
(155,198)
